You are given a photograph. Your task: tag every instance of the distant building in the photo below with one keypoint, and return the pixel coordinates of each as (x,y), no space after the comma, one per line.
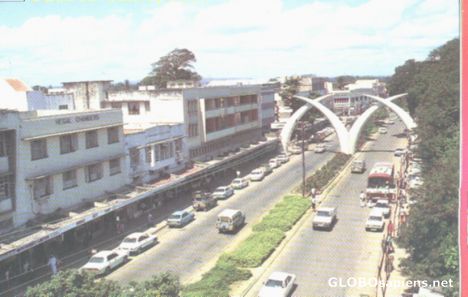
(88,94)
(154,149)
(57,160)
(368,86)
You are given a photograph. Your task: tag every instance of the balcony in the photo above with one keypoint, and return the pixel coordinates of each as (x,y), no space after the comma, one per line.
(231,130)
(4,166)
(6,205)
(230,110)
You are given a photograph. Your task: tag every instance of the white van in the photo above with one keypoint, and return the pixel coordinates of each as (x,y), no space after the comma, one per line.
(230,220)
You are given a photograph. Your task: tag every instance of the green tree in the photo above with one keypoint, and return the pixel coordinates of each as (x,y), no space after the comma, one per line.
(430,237)
(343,80)
(173,66)
(290,88)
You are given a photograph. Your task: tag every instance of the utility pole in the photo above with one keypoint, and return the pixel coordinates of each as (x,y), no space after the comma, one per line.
(303,159)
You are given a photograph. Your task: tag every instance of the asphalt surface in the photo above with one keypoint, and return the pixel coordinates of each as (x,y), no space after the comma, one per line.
(193,249)
(348,250)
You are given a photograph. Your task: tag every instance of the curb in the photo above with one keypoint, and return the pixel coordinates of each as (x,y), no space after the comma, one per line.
(300,223)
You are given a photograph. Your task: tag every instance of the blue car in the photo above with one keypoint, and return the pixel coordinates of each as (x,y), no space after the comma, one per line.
(180,218)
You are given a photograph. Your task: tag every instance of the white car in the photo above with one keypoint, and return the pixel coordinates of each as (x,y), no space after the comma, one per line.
(320,148)
(104,261)
(223,192)
(382,130)
(325,218)
(376,221)
(295,150)
(257,174)
(384,206)
(283,158)
(239,183)
(279,284)
(274,163)
(135,243)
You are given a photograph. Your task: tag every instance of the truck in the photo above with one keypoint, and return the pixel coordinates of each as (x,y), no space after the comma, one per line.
(381,183)
(203,201)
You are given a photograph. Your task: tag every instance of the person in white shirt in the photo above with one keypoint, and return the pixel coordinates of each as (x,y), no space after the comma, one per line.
(53,264)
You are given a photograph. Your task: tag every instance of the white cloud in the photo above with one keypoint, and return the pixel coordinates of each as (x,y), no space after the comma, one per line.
(261,38)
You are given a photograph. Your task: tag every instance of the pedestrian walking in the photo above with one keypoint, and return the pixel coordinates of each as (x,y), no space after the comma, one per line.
(150,220)
(362,199)
(313,197)
(390,228)
(53,264)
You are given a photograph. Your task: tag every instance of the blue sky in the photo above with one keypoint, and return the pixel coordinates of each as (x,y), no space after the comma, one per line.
(50,41)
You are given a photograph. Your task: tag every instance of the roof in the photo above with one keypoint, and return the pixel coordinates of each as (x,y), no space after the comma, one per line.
(102,253)
(376,211)
(17,85)
(228,212)
(381,169)
(277,275)
(87,81)
(136,234)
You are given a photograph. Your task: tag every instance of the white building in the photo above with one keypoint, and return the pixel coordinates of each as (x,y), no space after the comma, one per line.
(216,119)
(88,94)
(60,160)
(368,86)
(153,150)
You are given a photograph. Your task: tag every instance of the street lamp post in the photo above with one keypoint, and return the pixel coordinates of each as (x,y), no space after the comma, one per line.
(303,159)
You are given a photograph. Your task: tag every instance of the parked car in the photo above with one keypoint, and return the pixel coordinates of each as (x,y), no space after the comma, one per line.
(239,183)
(274,163)
(180,218)
(203,201)
(384,206)
(230,220)
(383,130)
(283,158)
(104,261)
(376,221)
(358,166)
(135,243)
(257,174)
(415,182)
(278,284)
(320,148)
(267,169)
(389,122)
(325,218)
(223,192)
(399,152)
(295,150)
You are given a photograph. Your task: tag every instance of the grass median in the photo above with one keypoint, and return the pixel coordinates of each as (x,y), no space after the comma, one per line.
(265,238)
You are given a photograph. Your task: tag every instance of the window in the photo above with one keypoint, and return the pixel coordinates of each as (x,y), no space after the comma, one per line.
(92,139)
(134,108)
(117,105)
(148,154)
(38,149)
(114,166)
(64,106)
(193,130)
(68,143)
(134,156)
(2,145)
(69,179)
(112,135)
(42,187)
(93,172)
(147,106)
(5,187)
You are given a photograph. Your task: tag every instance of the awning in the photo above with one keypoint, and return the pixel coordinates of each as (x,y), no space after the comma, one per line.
(159,141)
(55,172)
(71,132)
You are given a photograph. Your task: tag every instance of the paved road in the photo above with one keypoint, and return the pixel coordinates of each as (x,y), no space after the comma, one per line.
(347,251)
(191,250)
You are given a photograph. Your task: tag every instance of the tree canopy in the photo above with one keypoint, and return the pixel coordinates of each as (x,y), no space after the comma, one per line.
(70,283)
(176,65)
(430,237)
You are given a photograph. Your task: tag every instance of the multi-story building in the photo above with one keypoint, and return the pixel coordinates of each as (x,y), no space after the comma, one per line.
(58,160)
(154,150)
(217,119)
(349,102)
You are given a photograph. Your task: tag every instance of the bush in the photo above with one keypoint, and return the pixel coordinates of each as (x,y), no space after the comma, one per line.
(256,248)
(216,282)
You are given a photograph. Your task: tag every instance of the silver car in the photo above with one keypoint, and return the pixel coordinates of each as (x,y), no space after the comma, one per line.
(180,218)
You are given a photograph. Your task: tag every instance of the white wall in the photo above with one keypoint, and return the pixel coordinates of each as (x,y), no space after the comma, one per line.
(11,99)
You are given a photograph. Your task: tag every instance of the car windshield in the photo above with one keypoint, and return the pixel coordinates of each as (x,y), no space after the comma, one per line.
(129,240)
(323,213)
(224,219)
(375,218)
(381,204)
(273,283)
(236,181)
(175,216)
(96,260)
(257,171)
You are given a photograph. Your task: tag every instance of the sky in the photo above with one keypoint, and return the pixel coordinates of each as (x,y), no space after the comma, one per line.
(47,42)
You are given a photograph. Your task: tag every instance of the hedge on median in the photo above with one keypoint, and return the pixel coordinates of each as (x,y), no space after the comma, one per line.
(321,177)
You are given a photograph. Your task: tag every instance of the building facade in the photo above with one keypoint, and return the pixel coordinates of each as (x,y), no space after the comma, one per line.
(88,94)
(61,160)
(153,150)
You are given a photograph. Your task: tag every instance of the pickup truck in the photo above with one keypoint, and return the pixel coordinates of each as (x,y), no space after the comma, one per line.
(203,201)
